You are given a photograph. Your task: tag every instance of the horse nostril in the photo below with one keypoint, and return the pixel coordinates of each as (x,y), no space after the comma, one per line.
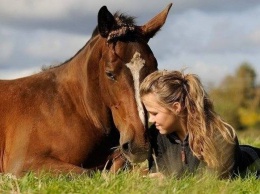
(126,147)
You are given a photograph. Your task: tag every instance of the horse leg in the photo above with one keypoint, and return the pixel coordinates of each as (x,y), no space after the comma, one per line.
(55,167)
(118,164)
(116,161)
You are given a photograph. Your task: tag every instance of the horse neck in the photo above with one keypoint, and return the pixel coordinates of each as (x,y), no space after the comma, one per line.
(79,63)
(83,71)
(82,66)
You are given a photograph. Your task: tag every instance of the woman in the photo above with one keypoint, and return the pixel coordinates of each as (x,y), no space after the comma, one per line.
(191,135)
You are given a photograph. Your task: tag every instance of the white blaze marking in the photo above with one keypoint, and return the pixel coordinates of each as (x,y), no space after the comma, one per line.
(135,65)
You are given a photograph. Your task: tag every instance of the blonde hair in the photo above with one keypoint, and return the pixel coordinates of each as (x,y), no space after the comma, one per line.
(205,128)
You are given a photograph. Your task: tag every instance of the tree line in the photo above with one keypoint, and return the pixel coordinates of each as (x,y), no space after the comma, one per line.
(237,98)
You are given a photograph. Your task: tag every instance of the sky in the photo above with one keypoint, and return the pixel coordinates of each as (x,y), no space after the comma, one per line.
(210,38)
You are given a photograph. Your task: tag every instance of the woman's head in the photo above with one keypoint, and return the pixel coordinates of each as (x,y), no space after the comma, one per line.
(174,86)
(164,95)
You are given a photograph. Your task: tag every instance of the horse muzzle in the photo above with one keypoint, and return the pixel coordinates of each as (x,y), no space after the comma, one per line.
(135,154)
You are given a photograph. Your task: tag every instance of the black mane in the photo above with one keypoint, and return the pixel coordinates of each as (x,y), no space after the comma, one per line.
(124,19)
(125,29)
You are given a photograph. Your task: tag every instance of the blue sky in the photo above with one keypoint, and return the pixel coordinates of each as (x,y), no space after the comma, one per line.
(208,37)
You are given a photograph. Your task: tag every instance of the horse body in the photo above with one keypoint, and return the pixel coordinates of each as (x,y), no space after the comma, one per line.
(68,118)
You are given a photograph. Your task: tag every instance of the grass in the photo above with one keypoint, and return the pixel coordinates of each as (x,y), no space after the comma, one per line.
(132,182)
(250,136)
(125,182)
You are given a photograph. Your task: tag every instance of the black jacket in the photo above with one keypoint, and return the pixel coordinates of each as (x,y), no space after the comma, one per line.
(171,156)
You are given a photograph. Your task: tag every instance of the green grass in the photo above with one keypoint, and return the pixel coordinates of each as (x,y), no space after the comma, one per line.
(132,182)
(125,182)
(250,136)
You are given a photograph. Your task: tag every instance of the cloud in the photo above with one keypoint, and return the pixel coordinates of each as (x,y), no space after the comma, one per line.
(13,74)
(54,46)
(71,15)
(68,15)
(6,49)
(195,31)
(254,37)
(20,50)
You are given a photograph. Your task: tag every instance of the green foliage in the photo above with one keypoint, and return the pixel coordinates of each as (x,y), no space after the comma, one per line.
(227,108)
(249,117)
(237,98)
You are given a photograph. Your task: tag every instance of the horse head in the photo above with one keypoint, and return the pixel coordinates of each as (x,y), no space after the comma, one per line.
(125,60)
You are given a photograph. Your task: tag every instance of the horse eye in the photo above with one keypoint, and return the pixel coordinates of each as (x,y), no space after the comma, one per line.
(110,75)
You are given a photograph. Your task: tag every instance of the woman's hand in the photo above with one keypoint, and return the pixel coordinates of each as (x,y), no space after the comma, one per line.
(157,175)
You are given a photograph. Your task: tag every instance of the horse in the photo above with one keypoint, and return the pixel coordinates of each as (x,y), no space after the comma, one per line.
(70,118)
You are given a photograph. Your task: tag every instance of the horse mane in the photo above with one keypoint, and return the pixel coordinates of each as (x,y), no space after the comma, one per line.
(124,30)
(122,21)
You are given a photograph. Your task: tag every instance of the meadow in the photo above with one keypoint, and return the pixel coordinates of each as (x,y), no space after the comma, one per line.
(132,182)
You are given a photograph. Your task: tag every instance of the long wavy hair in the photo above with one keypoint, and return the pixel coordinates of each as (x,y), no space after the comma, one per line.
(207,131)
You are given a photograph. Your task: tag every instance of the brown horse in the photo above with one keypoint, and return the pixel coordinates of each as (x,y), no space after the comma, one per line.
(70,117)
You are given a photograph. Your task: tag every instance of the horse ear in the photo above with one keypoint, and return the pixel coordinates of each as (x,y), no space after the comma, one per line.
(154,25)
(106,21)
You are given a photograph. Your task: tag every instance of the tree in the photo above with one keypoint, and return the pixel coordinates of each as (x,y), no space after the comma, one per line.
(226,103)
(245,78)
(237,98)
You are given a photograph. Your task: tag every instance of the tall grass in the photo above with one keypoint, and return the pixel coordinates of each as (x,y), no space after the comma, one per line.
(132,182)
